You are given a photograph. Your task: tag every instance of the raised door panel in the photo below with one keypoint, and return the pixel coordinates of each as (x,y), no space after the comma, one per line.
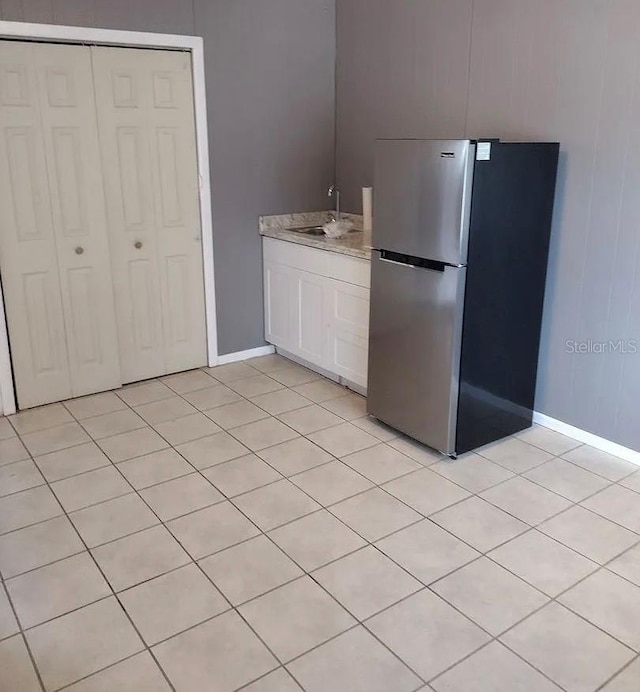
(46,338)
(67,106)
(135,211)
(142,317)
(278,293)
(147,132)
(309,317)
(347,311)
(350,353)
(28,260)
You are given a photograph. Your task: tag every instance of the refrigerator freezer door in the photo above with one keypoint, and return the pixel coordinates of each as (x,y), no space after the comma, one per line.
(423,198)
(414,349)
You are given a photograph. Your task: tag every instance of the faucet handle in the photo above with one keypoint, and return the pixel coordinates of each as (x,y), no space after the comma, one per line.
(333,190)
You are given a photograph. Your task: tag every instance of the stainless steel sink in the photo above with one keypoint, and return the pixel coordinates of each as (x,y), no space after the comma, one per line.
(308,230)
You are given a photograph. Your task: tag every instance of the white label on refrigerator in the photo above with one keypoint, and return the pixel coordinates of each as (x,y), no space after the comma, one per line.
(483,152)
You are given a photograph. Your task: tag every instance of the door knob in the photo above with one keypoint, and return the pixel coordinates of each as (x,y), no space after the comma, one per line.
(79,250)
(137,245)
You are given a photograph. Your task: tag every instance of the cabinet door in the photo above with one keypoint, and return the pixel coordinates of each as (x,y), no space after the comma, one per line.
(347,315)
(67,106)
(309,318)
(278,292)
(147,138)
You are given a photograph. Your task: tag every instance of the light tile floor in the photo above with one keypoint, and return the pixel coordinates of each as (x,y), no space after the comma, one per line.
(248,527)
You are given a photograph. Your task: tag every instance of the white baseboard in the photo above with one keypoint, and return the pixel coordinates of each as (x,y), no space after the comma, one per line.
(545,421)
(558,426)
(246,355)
(587,438)
(310,366)
(358,388)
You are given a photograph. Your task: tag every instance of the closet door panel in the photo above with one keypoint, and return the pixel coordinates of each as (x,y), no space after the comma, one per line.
(131,229)
(125,140)
(28,258)
(68,112)
(178,211)
(145,110)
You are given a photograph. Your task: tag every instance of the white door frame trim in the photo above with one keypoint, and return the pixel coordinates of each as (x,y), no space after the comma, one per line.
(109,37)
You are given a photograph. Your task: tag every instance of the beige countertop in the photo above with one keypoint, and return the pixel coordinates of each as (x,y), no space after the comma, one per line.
(279,227)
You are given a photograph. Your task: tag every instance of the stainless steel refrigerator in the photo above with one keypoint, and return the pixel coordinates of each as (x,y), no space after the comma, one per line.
(461,240)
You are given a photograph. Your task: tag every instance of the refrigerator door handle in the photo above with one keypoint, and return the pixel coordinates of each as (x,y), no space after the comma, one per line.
(399,264)
(412,262)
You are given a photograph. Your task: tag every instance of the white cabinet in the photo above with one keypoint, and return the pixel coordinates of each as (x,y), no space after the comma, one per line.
(317,307)
(347,314)
(308,318)
(278,288)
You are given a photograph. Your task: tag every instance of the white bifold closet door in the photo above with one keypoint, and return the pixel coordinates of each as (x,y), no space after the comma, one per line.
(147,137)
(100,240)
(54,248)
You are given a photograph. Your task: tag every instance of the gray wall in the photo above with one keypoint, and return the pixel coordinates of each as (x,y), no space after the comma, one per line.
(566,70)
(270,67)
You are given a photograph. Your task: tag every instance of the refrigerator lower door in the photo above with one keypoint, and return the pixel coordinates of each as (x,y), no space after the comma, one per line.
(414,349)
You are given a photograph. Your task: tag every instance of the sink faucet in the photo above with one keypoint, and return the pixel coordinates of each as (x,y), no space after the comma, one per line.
(333,190)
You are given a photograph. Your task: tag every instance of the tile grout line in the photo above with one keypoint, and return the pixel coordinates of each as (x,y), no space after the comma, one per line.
(494,640)
(599,567)
(336,635)
(230,498)
(368,543)
(529,528)
(196,562)
(498,638)
(620,526)
(299,473)
(566,509)
(21,634)
(274,416)
(113,665)
(305,572)
(618,672)
(113,593)
(550,600)
(323,507)
(337,559)
(266,675)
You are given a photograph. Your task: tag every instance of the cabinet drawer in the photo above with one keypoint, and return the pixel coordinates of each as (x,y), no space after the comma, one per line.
(332,265)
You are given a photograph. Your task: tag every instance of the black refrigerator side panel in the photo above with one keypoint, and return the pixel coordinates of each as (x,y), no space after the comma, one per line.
(511,216)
